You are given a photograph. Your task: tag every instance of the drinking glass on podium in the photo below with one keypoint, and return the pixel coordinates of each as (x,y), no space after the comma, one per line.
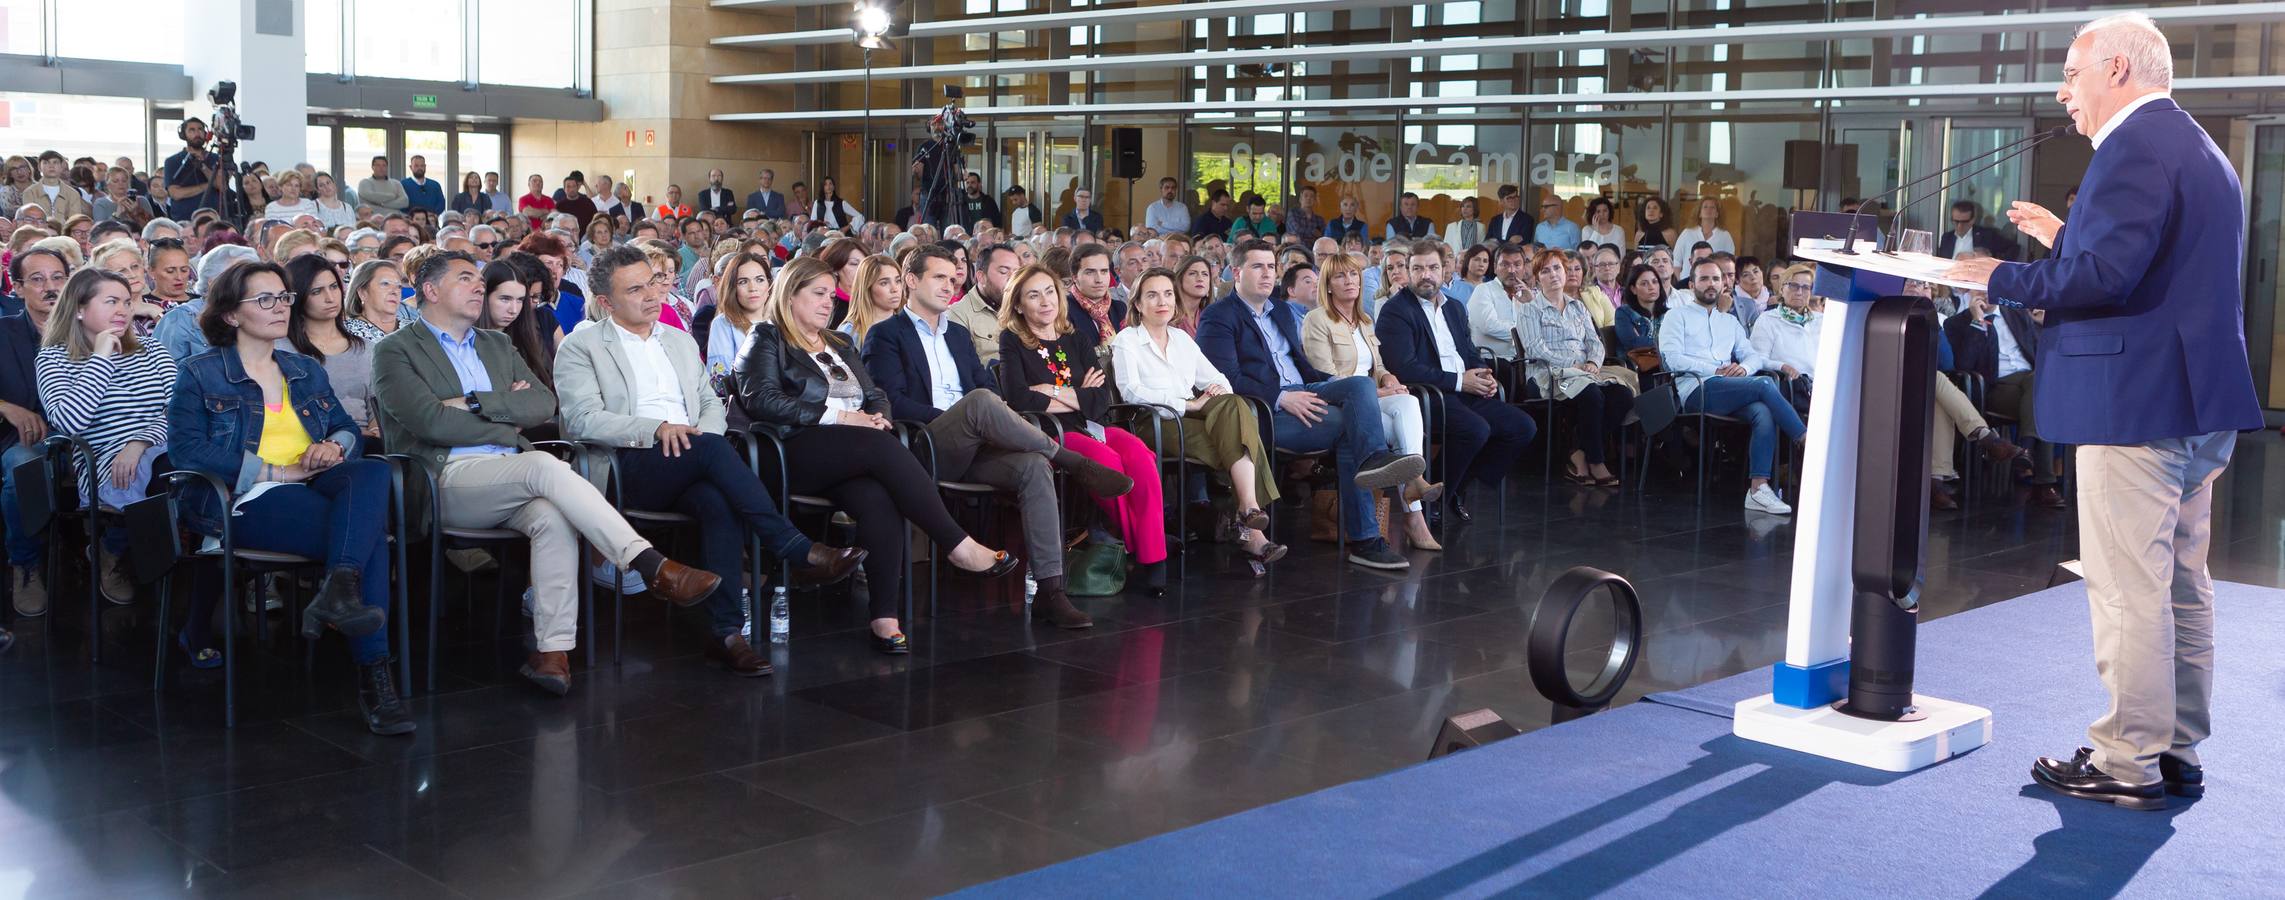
(1913,240)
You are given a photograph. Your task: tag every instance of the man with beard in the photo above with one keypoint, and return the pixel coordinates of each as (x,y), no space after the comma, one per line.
(192,174)
(421,191)
(978,312)
(39,276)
(1495,307)
(1424,340)
(977,207)
(1714,363)
(715,196)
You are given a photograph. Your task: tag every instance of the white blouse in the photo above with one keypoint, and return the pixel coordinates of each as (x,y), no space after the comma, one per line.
(1169,378)
(1364,352)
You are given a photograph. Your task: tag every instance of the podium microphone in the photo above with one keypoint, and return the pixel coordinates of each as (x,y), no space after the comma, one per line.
(2026,145)
(1849,244)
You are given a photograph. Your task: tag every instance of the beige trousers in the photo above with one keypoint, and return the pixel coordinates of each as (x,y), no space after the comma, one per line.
(2145,521)
(544,498)
(1955,414)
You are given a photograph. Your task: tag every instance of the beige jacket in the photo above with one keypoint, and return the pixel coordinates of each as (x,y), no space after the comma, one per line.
(595,384)
(1330,349)
(982,322)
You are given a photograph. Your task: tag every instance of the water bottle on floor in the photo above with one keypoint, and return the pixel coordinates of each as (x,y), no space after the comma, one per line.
(781,615)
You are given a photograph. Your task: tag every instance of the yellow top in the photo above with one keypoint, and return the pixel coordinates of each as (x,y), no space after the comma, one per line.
(284,440)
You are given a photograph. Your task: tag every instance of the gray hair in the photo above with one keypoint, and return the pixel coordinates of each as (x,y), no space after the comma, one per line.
(361,234)
(2134,38)
(565,221)
(481,230)
(151,228)
(214,262)
(449,232)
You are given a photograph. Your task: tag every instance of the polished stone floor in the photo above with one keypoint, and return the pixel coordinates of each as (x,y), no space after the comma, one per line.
(998,747)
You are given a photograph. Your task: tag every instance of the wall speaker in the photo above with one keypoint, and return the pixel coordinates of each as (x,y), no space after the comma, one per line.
(1126,153)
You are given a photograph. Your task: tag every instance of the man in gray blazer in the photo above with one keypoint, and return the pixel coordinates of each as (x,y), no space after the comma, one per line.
(629,383)
(456,398)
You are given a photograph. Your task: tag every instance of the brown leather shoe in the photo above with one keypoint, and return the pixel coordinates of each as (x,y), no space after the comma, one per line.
(1940,498)
(682,585)
(1055,606)
(1099,481)
(551,670)
(1997,449)
(2047,497)
(738,656)
(828,565)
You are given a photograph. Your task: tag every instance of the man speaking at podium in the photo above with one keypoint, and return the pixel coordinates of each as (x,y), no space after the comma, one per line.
(2142,365)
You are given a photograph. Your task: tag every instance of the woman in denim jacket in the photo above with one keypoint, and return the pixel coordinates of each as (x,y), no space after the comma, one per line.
(287,473)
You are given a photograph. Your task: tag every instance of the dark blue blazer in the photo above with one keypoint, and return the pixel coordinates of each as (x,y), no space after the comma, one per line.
(2145,335)
(1408,347)
(19,383)
(1092,222)
(1986,238)
(1083,325)
(1977,350)
(1226,334)
(898,363)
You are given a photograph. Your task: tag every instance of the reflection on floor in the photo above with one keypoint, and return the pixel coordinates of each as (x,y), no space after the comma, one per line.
(997,747)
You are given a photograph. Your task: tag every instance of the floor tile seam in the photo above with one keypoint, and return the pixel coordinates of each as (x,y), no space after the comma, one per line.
(844,748)
(1094,846)
(449,890)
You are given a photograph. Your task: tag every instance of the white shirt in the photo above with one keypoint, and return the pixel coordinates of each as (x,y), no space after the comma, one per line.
(1169,378)
(1963,244)
(1019,221)
(1447,352)
(1612,236)
(2011,359)
(943,372)
(1167,216)
(2128,110)
(1364,350)
(1695,340)
(1690,237)
(281,211)
(657,392)
(1492,316)
(1787,344)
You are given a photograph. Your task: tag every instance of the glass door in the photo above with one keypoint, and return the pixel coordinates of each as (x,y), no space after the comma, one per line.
(2264,329)
(1992,184)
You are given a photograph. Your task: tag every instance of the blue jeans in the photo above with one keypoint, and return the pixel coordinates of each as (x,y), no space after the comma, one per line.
(1351,428)
(23,549)
(1757,401)
(352,502)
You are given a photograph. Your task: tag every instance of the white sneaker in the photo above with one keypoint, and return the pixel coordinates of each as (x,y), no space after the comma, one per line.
(630,581)
(1763,499)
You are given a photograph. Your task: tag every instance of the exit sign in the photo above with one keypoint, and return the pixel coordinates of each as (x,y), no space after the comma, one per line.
(424,101)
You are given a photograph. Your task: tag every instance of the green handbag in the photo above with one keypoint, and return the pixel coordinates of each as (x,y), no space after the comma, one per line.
(1096,567)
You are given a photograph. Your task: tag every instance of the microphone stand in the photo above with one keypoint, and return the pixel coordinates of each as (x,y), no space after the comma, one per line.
(1896,239)
(1848,243)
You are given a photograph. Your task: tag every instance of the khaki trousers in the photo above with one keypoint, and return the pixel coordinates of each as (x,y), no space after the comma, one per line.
(541,496)
(1954,414)
(2145,522)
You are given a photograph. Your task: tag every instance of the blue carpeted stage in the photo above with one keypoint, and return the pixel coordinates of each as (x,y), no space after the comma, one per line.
(1657,799)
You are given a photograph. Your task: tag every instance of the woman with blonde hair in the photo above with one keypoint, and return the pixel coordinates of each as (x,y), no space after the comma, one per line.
(1044,369)
(294,242)
(880,292)
(293,200)
(376,289)
(1337,338)
(100,384)
(803,383)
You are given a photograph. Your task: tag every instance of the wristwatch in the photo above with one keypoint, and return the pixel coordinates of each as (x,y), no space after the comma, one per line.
(474,405)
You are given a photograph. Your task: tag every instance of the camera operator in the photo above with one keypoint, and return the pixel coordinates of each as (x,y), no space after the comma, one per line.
(193,176)
(938,167)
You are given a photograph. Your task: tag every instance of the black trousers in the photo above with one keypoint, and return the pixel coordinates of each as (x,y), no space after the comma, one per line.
(1597,412)
(710,484)
(866,473)
(1486,434)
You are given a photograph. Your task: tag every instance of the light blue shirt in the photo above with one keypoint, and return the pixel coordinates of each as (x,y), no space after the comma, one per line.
(1695,340)
(1372,285)
(1559,234)
(1280,352)
(178,330)
(473,378)
(943,370)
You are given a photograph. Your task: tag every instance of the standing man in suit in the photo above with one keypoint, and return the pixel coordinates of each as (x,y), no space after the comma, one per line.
(927,364)
(766,197)
(1511,225)
(716,197)
(1408,224)
(2144,368)
(642,389)
(1424,340)
(1967,236)
(456,398)
(1255,339)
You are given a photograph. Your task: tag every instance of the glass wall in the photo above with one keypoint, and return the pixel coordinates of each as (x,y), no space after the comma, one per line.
(531,43)
(102,127)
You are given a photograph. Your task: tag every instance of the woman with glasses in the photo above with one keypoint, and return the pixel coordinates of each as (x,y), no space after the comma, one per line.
(1600,228)
(332,211)
(16,185)
(101,384)
(267,422)
(666,273)
(804,383)
(375,291)
(1566,355)
(1045,369)
(598,238)
(1575,285)
(471,199)
(315,330)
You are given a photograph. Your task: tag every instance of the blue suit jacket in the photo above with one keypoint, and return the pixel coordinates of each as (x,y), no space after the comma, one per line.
(898,363)
(1226,334)
(2145,335)
(1408,347)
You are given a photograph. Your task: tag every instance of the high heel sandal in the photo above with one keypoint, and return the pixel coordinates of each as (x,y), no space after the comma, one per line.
(893,645)
(1271,551)
(1422,491)
(1255,519)
(1002,563)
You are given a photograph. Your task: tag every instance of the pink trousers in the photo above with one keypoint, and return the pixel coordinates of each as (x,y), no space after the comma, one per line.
(1139,517)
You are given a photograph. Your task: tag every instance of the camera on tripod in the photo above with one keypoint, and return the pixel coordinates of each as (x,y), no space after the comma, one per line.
(953,121)
(226,128)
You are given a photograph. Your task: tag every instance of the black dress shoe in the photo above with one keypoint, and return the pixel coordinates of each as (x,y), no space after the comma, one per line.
(893,645)
(1459,506)
(1002,564)
(2182,779)
(2078,777)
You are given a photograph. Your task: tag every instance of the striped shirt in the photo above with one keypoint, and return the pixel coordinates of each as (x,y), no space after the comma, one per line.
(107,401)
(1557,338)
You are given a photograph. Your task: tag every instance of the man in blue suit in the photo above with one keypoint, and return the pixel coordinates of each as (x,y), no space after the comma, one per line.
(927,365)
(2142,364)
(1255,340)
(1424,340)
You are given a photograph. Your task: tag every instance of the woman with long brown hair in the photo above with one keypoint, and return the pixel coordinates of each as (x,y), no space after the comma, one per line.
(843,256)
(881,287)
(1193,292)
(742,300)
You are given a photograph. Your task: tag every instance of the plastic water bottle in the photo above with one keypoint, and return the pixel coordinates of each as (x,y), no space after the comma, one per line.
(781,615)
(1030,587)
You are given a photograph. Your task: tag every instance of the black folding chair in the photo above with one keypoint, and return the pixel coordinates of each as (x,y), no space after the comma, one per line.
(655,521)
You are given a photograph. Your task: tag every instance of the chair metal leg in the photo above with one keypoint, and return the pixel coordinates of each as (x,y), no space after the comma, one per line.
(229,638)
(159,660)
(435,599)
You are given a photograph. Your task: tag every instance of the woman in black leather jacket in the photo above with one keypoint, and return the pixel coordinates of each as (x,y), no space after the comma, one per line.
(804,383)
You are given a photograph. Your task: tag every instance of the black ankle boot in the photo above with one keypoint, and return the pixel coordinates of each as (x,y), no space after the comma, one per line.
(1051,604)
(340,602)
(385,712)
(1154,578)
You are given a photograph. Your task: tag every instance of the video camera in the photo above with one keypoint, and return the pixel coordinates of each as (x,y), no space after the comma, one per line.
(227,129)
(952,122)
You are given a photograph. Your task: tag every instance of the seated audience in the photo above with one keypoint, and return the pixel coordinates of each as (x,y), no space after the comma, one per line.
(1636,321)
(1337,338)
(301,489)
(744,289)
(510,310)
(927,365)
(1049,365)
(40,276)
(1093,315)
(100,384)
(804,384)
(169,268)
(1496,306)
(1424,340)
(2001,344)
(1255,340)
(456,398)
(1788,339)
(376,290)
(1714,364)
(637,387)
(881,291)
(978,311)
(1565,353)
(314,330)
